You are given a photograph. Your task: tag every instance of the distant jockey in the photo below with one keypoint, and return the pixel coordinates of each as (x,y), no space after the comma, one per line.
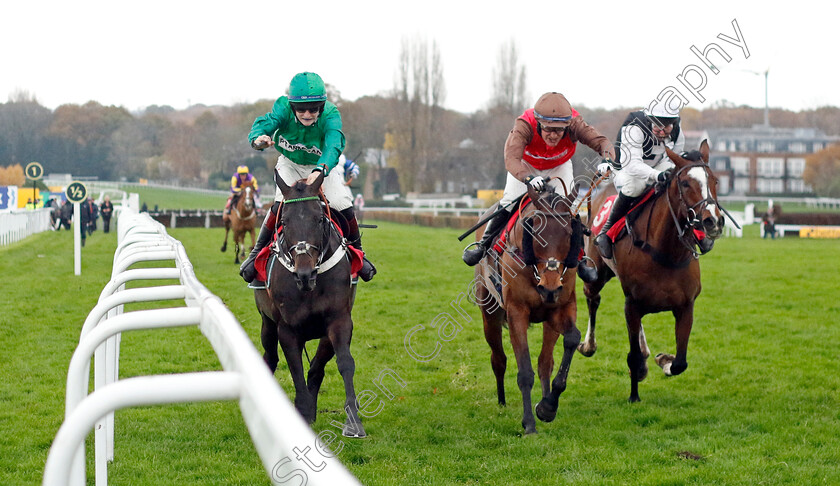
(242,176)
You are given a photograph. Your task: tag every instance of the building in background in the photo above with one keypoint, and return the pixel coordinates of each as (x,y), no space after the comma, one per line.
(763,159)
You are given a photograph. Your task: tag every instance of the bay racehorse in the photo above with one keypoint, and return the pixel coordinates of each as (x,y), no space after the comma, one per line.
(243,218)
(530,281)
(657,262)
(308,295)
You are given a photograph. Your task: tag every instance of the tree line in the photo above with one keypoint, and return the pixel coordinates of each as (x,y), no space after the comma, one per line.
(428,146)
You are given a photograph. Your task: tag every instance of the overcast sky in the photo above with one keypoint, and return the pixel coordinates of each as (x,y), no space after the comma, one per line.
(599,54)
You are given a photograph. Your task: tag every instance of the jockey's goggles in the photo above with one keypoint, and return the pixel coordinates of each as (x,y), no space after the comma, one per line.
(311,107)
(662,123)
(552,129)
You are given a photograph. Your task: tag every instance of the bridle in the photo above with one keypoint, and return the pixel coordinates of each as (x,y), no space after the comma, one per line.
(249,203)
(529,232)
(286,252)
(692,212)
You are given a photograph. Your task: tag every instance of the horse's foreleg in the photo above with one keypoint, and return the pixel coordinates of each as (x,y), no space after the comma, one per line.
(268,336)
(292,351)
(253,239)
(545,365)
(518,322)
(315,376)
(547,408)
(498,360)
(340,334)
(674,365)
(635,359)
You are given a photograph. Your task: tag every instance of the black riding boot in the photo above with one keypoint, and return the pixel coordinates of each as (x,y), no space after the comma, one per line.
(620,207)
(247,269)
(587,274)
(354,238)
(472,256)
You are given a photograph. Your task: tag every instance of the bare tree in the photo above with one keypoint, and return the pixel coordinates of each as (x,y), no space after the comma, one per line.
(509,91)
(420,91)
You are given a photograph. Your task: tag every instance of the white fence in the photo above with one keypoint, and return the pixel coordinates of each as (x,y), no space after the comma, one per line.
(16,225)
(275,426)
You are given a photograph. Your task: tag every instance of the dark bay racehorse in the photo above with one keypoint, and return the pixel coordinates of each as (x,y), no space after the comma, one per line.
(657,264)
(536,286)
(243,218)
(308,296)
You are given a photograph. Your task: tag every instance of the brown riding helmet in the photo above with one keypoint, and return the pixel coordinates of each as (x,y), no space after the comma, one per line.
(553,110)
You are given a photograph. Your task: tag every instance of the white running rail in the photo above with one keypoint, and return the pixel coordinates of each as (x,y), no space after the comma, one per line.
(276,428)
(18,224)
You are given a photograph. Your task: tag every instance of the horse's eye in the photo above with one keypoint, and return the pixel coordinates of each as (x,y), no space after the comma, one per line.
(685,184)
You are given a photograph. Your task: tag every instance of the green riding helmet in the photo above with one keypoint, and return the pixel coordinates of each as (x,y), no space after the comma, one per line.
(307,88)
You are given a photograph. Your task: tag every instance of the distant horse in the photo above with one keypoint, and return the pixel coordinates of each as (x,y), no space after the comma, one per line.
(308,295)
(657,262)
(243,219)
(532,278)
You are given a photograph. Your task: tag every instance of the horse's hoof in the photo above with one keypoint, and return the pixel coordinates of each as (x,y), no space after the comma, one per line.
(587,351)
(634,399)
(353,434)
(664,361)
(544,412)
(531,429)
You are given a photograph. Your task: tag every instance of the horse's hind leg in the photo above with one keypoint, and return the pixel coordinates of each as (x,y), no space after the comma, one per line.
(340,334)
(498,360)
(315,376)
(674,365)
(227,230)
(592,291)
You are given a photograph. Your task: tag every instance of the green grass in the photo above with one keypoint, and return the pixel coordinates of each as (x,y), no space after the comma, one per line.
(757,405)
(182,199)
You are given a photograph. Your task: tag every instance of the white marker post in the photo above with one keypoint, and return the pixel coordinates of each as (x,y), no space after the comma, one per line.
(76,193)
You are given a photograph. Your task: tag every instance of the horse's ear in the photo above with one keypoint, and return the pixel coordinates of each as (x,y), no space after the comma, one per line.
(281,184)
(676,159)
(704,151)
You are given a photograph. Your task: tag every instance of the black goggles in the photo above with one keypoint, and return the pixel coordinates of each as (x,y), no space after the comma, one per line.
(311,107)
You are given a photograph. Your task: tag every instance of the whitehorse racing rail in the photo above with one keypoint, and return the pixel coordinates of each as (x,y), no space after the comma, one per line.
(275,426)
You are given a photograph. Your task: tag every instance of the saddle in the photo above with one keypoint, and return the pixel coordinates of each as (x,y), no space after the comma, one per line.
(356,256)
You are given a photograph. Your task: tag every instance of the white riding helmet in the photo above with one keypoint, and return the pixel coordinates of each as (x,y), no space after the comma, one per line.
(660,112)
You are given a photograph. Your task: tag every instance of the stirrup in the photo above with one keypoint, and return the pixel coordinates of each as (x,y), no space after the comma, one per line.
(469,255)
